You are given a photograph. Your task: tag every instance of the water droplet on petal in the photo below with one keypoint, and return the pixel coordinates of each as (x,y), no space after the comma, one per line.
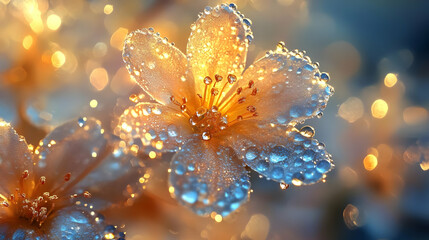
(307,131)
(207,10)
(284,186)
(172,130)
(248,22)
(82,121)
(190,197)
(324,76)
(278,153)
(251,153)
(323,166)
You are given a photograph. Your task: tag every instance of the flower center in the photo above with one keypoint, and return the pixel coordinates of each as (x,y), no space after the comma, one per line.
(219,98)
(36,206)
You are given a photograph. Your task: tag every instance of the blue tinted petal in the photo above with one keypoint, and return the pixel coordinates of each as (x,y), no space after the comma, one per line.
(280,153)
(207,177)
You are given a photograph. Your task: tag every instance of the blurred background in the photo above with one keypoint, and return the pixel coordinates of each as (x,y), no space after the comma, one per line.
(62,59)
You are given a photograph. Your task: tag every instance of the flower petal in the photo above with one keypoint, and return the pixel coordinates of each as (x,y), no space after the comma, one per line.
(282,154)
(15,158)
(207,177)
(157,66)
(218,44)
(72,222)
(291,79)
(153,123)
(120,174)
(75,147)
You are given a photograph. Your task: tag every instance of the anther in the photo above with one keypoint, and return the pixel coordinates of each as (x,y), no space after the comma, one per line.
(199,95)
(239,117)
(42,180)
(218,78)
(25,174)
(231,78)
(174,101)
(67,177)
(242,100)
(251,83)
(207,80)
(251,108)
(254,91)
(183,107)
(87,194)
(184,100)
(5,204)
(206,136)
(214,91)
(239,90)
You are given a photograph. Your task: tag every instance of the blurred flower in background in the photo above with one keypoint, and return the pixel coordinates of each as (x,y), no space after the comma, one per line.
(43,189)
(62,59)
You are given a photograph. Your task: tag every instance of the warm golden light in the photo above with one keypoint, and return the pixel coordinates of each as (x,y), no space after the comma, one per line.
(37,25)
(379,108)
(159,145)
(152,154)
(117,39)
(424,166)
(27,42)
(109,236)
(218,218)
(53,22)
(58,59)
(390,80)
(370,162)
(93,103)
(296,182)
(108,9)
(99,78)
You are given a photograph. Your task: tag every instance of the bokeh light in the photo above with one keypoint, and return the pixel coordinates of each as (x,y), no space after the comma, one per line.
(379,108)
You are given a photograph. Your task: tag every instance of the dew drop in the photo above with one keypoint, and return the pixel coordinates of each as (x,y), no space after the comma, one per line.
(81,121)
(233,6)
(206,136)
(324,76)
(284,186)
(151,65)
(190,196)
(172,130)
(248,22)
(251,153)
(278,154)
(207,10)
(262,166)
(191,167)
(180,170)
(307,131)
(323,166)
(308,67)
(308,155)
